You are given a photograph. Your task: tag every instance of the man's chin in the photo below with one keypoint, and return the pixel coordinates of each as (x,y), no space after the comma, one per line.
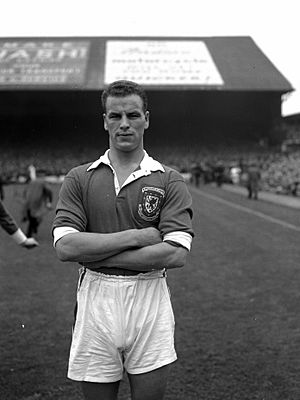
(126,147)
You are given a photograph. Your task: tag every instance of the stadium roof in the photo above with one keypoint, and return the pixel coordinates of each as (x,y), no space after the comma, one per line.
(293,118)
(159,63)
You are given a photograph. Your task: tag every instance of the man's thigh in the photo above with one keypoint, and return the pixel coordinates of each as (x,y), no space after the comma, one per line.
(103,391)
(151,385)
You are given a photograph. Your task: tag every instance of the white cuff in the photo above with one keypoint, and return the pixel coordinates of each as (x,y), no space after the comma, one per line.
(62,231)
(19,237)
(183,238)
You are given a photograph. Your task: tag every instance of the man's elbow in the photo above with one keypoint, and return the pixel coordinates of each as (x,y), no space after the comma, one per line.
(63,252)
(178,258)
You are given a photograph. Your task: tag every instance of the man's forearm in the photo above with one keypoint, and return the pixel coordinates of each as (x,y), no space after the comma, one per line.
(88,246)
(158,256)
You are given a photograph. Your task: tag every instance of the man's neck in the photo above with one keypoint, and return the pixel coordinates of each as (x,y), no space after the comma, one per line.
(126,160)
(125,164)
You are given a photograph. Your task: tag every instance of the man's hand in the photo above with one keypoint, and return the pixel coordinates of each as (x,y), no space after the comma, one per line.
(30,243)
(149,236)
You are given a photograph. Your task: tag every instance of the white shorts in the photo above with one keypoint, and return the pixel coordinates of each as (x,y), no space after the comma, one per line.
(122,322)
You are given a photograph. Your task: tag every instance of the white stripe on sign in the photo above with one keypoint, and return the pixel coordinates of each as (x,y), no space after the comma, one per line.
(249,210)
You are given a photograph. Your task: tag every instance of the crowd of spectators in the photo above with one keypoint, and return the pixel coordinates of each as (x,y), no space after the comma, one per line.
(14,162)
(280,172)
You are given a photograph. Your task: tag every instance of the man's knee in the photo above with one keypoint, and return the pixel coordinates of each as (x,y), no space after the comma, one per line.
(103,391)
(150,385)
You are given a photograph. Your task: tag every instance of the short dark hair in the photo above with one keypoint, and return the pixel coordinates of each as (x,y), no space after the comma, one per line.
(123,88)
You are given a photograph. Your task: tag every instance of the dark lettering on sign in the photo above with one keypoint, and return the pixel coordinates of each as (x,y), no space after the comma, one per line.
(49,62)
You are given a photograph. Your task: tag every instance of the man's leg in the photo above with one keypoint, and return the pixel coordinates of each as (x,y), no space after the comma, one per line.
(249,192)
(149,386)
(35,224)
(100,391)
(29,231)
(29,226)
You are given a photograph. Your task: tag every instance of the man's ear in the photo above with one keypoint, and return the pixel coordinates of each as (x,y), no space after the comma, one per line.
(147,119)
(104,121)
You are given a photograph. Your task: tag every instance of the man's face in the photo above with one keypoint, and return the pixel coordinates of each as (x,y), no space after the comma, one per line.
(125,122)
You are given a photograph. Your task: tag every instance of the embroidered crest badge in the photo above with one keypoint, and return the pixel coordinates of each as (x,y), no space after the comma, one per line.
(150,205)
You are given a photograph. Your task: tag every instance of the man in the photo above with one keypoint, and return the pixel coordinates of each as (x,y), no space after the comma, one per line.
(10,226)
(38,200)
(196,171)
(219,173)
(125,218)
(253,180)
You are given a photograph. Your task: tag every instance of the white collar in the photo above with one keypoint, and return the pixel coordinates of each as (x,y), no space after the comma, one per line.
(147,165)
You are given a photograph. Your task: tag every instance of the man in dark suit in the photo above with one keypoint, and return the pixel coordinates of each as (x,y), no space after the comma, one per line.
(38,200)
(10,226)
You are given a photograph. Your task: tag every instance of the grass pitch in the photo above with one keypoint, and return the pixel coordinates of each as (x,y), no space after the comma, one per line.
(236,306)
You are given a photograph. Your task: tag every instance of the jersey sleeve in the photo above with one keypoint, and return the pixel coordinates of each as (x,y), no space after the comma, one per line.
(70,211)
(176,214)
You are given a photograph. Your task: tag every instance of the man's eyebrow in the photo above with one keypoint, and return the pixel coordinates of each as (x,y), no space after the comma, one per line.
(113,113)
(127,112)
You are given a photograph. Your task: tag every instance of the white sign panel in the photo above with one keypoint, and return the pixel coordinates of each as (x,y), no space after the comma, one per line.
(160,62)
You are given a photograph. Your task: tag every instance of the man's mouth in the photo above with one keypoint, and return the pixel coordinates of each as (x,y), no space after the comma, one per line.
(125,134)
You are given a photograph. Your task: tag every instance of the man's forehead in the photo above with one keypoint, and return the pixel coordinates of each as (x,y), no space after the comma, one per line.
(125,102)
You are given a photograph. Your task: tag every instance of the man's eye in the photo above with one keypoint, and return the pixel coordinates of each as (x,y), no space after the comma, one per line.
(114,116)
(134,115)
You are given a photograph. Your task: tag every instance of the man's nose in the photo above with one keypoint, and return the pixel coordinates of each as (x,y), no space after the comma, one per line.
(124,122)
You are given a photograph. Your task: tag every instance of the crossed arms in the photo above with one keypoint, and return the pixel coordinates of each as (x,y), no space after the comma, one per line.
(134,249)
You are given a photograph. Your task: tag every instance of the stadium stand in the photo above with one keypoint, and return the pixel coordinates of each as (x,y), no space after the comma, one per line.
(210,104)
(280,171)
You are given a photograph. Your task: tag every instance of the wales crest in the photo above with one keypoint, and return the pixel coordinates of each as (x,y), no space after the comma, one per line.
(150,204)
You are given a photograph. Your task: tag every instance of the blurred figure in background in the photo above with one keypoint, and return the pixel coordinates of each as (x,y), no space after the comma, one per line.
(32,172)
(219,173)
(196,172)
(38,200)
(235,173)
(10,226)
(253,180)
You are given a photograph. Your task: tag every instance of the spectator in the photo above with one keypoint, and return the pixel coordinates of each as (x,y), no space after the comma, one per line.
(38,199)
(219,173)
(196,172)
(253,180)
(8,223)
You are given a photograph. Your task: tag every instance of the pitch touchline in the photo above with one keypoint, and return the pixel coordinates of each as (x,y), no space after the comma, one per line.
(249,211)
